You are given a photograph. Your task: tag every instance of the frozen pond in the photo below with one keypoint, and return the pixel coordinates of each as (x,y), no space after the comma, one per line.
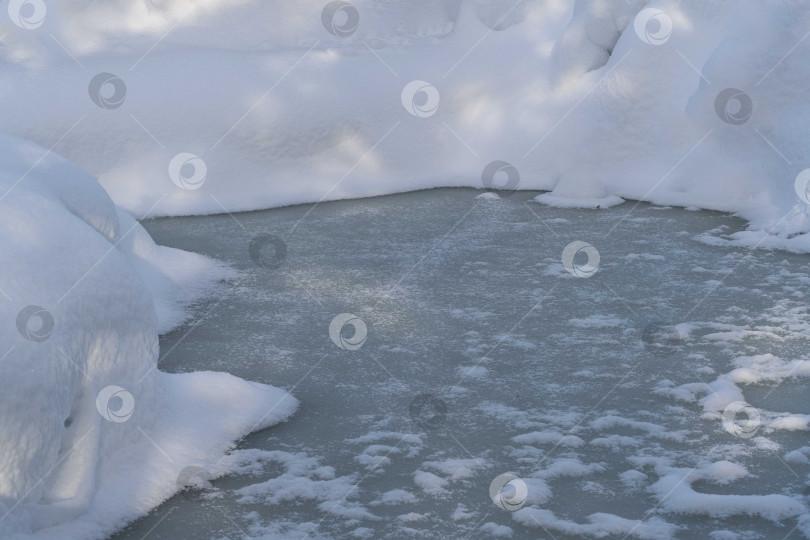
(485,356)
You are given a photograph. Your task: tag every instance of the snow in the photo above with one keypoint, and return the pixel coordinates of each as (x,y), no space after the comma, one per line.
(675,493)
(633,478)
(93,435)
(429,482)
(599,525)
(410,517)
(304,480)
(725,395)
(597,103)
(548,437)
(461,513)
(558,201)
(397,496)
(456,469)
(496,531)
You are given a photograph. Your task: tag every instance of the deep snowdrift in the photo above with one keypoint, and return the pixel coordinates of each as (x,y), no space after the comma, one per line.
(597,101)
(92,435)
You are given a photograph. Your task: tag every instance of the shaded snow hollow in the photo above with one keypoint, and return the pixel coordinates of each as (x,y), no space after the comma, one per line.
(106,290)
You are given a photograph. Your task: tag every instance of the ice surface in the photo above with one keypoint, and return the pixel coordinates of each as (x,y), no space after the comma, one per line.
(593,467)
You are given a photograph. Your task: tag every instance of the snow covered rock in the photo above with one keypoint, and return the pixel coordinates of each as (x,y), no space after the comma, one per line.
(584,192)
(92,435)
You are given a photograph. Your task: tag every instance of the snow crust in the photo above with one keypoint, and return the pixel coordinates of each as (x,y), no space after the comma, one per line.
(79,460)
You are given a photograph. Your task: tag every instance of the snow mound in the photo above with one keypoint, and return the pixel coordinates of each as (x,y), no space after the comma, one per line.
(488,196)
(575,202)
(92,435)
(583,192)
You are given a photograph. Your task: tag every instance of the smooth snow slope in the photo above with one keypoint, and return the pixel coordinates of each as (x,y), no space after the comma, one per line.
(595,100)
(80,459)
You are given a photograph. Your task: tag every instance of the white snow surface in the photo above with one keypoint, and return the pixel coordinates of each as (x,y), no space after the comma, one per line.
(283,112)
(66,471)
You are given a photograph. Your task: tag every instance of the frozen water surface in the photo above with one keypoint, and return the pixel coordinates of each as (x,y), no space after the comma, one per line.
(542,374)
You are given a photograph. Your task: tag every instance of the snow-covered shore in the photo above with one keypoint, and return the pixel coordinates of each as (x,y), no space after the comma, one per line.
(595,101)
(93,435)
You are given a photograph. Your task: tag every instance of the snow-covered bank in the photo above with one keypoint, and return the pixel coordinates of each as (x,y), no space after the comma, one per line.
(592,100)
(92,435)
